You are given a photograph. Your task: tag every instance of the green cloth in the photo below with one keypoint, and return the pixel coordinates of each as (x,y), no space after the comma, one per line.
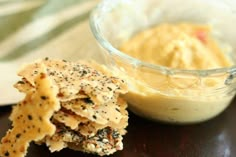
(34,29)
(30,11)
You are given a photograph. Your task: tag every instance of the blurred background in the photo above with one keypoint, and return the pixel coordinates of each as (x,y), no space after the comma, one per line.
(33,29)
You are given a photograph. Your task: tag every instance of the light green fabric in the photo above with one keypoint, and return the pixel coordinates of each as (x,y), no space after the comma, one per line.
(34,29)
(12,22)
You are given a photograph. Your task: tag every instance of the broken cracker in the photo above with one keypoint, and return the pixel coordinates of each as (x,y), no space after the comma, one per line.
(94,89)
(31,117)
(106,141)
(75,77)
(100,114)
(92,127)
(69,119)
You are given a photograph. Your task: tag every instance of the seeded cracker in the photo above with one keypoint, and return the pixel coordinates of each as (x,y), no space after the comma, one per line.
(72,77)
(94,127)
(100,114)
(31,117)
(91,116)
(69,119)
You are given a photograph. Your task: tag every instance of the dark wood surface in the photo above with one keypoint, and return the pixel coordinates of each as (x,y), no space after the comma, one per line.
(214,138)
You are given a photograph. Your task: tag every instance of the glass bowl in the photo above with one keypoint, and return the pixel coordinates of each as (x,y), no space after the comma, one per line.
(157,92)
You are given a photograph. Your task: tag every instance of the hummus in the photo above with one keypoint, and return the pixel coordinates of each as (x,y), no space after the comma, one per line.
(177,97)
(181,46)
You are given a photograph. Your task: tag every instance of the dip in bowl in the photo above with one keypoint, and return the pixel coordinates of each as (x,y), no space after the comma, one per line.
(179,91)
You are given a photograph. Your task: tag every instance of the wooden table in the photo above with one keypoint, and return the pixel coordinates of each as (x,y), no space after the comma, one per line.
(215,138)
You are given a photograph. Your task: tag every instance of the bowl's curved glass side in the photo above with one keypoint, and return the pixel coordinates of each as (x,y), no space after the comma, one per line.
(175,98)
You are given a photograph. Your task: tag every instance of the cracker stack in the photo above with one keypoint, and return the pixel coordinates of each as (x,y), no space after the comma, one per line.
(67,104)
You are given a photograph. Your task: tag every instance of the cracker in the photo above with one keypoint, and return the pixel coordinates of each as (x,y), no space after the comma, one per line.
(55,144)
(103,69)
(73,78)
(65,103)
(69,119)
(24,86)
(92,127)
(61,138)
(31,117)
(87,127)
(100,114)
(106,141)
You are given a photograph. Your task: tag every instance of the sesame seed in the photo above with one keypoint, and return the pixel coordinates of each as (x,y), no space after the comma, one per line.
(18,135)
(30,117)
(43,97)
(94,117)
(7,153)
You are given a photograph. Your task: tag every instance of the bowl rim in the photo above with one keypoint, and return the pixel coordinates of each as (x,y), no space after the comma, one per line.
(112,50)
